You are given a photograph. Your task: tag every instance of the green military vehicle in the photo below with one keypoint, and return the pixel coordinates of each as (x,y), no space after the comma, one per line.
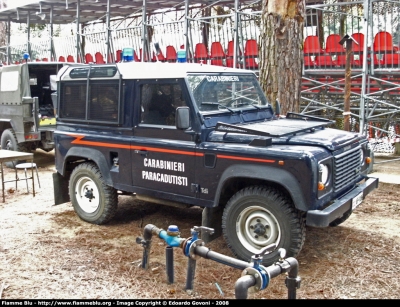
(27,115)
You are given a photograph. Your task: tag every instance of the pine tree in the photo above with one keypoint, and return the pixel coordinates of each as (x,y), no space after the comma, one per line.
(281,52)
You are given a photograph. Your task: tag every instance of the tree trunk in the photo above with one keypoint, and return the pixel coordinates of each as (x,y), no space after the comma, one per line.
(281,52)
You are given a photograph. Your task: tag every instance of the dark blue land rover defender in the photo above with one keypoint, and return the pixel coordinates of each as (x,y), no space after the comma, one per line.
(202,135)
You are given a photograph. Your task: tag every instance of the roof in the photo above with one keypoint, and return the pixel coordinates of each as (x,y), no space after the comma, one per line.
(64,11)
(160,70)
(148,70)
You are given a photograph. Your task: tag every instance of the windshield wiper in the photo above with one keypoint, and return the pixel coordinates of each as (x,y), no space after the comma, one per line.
(218,105)
(242,103)
(253,105)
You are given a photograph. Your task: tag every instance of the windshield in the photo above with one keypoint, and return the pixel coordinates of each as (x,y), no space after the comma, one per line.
(223,92)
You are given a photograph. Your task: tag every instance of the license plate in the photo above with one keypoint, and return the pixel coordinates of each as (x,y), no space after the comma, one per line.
(356,201)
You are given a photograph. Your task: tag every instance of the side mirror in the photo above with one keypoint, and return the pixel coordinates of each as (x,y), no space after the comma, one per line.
(182,118)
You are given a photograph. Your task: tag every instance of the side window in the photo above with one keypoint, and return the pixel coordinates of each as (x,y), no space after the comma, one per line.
(103,101)
(159,102)
(73,101)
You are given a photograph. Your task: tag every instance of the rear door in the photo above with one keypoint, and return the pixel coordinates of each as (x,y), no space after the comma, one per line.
(12,89)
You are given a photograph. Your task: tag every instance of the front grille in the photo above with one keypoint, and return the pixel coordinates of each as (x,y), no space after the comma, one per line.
(347,168)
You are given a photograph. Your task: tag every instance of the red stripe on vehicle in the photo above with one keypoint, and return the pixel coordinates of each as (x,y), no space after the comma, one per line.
(179,152)
(79,140)
(245,159)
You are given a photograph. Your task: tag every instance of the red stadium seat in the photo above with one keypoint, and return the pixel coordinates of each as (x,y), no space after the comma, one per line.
(170,54)
(217,54)
(309,62)
(332,45)
(383,41)
(251,54)
(358,48)
(158,57)
(324,60)
(359,38)
(99,58)
(383,48)
(118,57)
(341,60)
(201,53)
(88,58)
(391,59)
(312,45)
(135,56)
(229,55)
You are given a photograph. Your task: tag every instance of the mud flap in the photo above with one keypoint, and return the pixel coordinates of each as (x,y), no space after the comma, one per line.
(60,185)
(212,218)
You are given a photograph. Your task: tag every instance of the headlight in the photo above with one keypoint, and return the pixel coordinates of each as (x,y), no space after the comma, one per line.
(325,177)
(323,171)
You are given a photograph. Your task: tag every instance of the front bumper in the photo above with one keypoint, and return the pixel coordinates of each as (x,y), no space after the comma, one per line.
(322,218)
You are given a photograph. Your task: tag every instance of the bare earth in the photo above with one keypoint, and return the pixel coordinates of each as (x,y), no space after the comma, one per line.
(47,252)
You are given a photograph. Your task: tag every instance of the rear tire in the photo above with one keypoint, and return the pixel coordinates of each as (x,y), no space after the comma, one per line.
(9,142)
(93,200)
(256,217)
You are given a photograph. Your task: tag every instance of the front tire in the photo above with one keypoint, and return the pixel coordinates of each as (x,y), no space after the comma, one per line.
(258,216)
(93,200)
(9,142)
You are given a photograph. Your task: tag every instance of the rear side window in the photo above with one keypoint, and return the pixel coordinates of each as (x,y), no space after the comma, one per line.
(99,104)
(73,101)
(103,102)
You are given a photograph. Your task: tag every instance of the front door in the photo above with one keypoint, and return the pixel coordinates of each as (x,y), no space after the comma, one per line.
(163,157)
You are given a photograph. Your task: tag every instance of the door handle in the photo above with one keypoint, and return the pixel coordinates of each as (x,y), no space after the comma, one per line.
(141,152)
